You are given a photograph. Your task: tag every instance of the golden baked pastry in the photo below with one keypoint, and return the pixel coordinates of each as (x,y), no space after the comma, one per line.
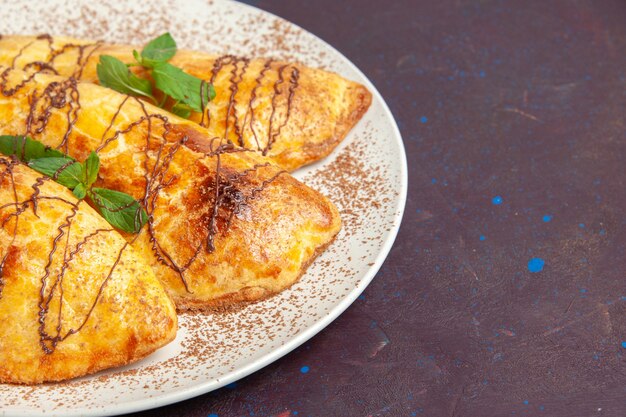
(287,111)
(75,298)
(225,225)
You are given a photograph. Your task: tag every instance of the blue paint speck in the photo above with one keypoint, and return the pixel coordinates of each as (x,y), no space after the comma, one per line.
(525,402)
(583,290)
(546,218)
(541,407)
(423,119)
(213,415)
(295,413)
(536,265)
(602,232)
(482,74)
(581,225)
(434,180)
(624,345)
(304,369)
(496,200)
(482,237)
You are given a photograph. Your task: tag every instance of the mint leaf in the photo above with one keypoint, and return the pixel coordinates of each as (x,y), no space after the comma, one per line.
(119,209)
(25,148)
(92,165)
(66,171)
(160,49)
(114,74)
(210,91)
(181,110)
(189,92)
(137,57)
(181,86)
(80,191)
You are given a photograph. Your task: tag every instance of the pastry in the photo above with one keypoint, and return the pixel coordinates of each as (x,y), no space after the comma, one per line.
(75,298)
(289,112)
(225,225)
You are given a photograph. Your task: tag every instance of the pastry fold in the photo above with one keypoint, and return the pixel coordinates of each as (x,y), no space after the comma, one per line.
(291,113)
(75,298)
(225,224)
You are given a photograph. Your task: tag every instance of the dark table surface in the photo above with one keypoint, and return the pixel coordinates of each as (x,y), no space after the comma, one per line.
(505,292)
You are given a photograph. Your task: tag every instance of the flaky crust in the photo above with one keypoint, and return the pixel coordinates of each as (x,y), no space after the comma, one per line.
(75,298)
(292,113)
(226,224)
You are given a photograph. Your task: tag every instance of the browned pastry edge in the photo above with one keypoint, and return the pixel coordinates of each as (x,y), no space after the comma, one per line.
(114,367)
(236,301)
(315,152)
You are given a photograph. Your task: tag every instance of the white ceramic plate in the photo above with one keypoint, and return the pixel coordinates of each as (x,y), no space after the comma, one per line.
(366,177)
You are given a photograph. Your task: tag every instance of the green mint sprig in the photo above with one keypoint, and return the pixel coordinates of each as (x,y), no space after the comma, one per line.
(160,49)
(114,74)
(190,94)
(121,210)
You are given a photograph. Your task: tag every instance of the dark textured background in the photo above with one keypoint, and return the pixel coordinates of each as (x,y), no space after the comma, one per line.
(513,118)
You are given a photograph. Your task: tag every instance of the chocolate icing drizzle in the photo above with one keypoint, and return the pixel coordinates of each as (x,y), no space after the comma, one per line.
(221,193)
(273,134)
(239,120)
(239,67)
